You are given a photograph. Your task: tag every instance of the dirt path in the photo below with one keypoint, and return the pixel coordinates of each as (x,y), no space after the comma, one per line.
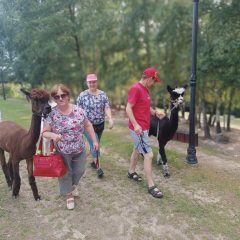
(114,207)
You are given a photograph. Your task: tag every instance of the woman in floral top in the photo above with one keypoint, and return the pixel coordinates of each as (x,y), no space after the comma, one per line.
(96,105)
(65,125)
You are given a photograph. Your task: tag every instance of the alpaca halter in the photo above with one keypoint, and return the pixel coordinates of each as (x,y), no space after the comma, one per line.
(43,115)
(175,104)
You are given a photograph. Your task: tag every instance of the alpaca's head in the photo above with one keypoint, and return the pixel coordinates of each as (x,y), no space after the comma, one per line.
(176,95)
(40,101)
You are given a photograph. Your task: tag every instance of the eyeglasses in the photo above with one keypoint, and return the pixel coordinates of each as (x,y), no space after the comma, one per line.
(62,96)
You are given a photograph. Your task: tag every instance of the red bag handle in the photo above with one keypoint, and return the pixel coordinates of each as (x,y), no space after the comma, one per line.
(97,161)
(40,146)
(39,149)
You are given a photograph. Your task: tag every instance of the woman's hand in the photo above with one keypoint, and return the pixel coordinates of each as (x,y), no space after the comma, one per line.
(110,123)
(57,137)
(160,115)
(96,146)
(52,136)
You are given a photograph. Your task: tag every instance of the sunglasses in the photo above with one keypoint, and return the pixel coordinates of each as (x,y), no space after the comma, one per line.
(62,96)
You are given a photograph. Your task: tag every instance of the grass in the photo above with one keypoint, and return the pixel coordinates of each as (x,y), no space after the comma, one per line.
(209,215)
(3,198)
(17,110)
(215,212)
(21,230)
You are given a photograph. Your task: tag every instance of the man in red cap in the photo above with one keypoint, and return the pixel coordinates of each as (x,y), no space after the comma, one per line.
(138,110)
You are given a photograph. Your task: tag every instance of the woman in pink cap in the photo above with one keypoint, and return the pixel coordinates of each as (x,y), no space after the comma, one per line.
(96,105)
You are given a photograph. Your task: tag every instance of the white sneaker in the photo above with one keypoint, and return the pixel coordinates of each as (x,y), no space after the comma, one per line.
(75,191)
(70,203)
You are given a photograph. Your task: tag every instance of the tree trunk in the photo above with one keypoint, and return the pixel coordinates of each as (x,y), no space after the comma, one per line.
(205,122)
(76,39)
(210,119)
(218,125)
(183,112)
(146,35)
(224,121)
(3,87)
(202,105)
(229,108)
(199,117)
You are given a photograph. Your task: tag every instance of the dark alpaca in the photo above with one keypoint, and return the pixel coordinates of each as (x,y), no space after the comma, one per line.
(165,128)
(21,144)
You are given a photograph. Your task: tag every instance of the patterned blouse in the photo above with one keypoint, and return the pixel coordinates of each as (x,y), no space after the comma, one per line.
(71,128)
(93,105)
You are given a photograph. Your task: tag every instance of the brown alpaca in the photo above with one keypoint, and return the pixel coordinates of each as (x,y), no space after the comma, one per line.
(21,144)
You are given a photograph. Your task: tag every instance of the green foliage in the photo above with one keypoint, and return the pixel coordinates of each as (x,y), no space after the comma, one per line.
(12,90)
(45,42)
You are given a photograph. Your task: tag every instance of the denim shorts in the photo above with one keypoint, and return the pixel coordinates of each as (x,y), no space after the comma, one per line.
(141,143)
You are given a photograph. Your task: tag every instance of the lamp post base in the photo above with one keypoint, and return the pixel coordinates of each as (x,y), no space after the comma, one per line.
(191,157)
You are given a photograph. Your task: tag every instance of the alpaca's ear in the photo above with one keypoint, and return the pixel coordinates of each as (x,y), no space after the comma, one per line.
(27,93)
(169,89)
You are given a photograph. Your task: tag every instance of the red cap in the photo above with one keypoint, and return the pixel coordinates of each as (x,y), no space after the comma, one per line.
(151,72)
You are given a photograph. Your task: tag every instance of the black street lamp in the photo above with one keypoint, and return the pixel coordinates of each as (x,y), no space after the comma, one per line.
(191,151)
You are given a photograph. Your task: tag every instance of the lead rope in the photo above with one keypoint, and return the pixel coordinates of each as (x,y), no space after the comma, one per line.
(142,144)
(158,127)
(97,160)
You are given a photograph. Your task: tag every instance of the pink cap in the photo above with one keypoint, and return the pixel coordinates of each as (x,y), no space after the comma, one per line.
(91,77)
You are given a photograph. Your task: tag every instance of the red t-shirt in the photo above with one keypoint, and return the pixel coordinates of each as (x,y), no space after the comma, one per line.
(139,97)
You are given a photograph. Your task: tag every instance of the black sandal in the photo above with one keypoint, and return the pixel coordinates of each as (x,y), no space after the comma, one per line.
(155,192)
(100,172)
(134,176)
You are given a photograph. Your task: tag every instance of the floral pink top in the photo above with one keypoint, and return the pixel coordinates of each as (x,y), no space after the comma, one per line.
(71,128)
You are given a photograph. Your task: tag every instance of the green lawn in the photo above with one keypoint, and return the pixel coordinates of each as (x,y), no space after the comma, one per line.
(17,110)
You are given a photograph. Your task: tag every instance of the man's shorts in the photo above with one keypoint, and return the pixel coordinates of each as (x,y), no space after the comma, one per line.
(141,142)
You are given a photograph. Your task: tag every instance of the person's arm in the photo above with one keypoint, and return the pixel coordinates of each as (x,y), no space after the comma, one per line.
(78,101)
(47,133)
(137,127)
(108,112)
(156,113)
(152,111)
(88,126)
